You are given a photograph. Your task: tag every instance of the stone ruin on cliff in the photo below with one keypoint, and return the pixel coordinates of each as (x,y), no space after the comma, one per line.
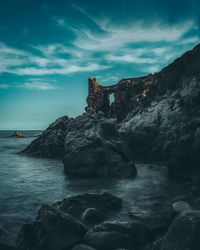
(128,94)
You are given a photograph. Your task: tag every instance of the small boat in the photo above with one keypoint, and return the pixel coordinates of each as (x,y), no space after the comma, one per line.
(18,135)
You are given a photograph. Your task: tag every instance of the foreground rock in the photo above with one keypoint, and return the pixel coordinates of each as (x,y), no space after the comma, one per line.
(77,205)
(56,229)
(52,229)
(184,233)
(50,143)
(94,147)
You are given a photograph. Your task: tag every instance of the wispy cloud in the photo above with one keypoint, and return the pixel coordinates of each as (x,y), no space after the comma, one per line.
(115,36)
(51,61)
(39,86)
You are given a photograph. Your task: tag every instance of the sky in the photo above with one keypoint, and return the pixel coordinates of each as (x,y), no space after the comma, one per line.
(48,49)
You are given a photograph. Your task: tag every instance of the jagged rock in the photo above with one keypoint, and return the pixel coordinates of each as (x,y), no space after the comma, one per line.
(181,206)
(76,205)
(184,233)
(92,216)
(52,230)
(50,143)
(107,240)
(93,147)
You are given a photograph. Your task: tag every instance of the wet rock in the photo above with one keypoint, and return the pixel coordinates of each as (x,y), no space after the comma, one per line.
(157,221)
(50,143)
(107,240)
(184,233)
(181,206)
(76,205)
(92,216)
(139,233)
(82,247)
(52,230)
(94,148)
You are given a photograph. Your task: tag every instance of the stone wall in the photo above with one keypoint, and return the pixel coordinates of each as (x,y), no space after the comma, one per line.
(128,94)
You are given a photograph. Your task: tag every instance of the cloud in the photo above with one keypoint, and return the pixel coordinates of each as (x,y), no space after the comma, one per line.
(130,59)
(51,61)
(115,36)
(39,86)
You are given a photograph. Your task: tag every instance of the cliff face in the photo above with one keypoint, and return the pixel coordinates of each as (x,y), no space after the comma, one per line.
(159,114)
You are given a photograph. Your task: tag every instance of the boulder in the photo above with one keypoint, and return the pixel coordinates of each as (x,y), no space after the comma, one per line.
(92,216)
(52,230)
(181,206)
(94,148)
(139,233)
(107,240)
(158,221)
(104,202)
(50,144)
(184,232)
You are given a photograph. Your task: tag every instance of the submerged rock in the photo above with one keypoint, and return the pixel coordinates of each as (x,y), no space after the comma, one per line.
(50,143)
(94,147)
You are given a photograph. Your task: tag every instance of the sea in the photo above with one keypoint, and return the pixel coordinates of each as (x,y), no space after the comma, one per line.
(27,182)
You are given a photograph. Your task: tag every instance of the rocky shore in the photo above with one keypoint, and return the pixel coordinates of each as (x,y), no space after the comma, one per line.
(90,221)
(162,124)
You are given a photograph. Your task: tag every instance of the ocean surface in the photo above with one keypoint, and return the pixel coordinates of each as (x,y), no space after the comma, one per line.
(26,183)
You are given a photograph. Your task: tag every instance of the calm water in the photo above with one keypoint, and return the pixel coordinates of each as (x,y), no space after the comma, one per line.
(26,183)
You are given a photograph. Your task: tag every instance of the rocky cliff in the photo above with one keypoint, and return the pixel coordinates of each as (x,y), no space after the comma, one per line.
(158,118)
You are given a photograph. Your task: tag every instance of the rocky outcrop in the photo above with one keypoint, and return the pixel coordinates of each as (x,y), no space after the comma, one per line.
(94,147)
(50,143)
(159,117)
(90,145)
(168,130)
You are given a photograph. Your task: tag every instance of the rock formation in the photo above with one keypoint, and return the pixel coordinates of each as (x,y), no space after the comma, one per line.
(159,113)
(94,147)
(50,143)
(158,117)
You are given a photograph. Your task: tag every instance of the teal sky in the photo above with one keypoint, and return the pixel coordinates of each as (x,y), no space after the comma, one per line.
(49,48)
